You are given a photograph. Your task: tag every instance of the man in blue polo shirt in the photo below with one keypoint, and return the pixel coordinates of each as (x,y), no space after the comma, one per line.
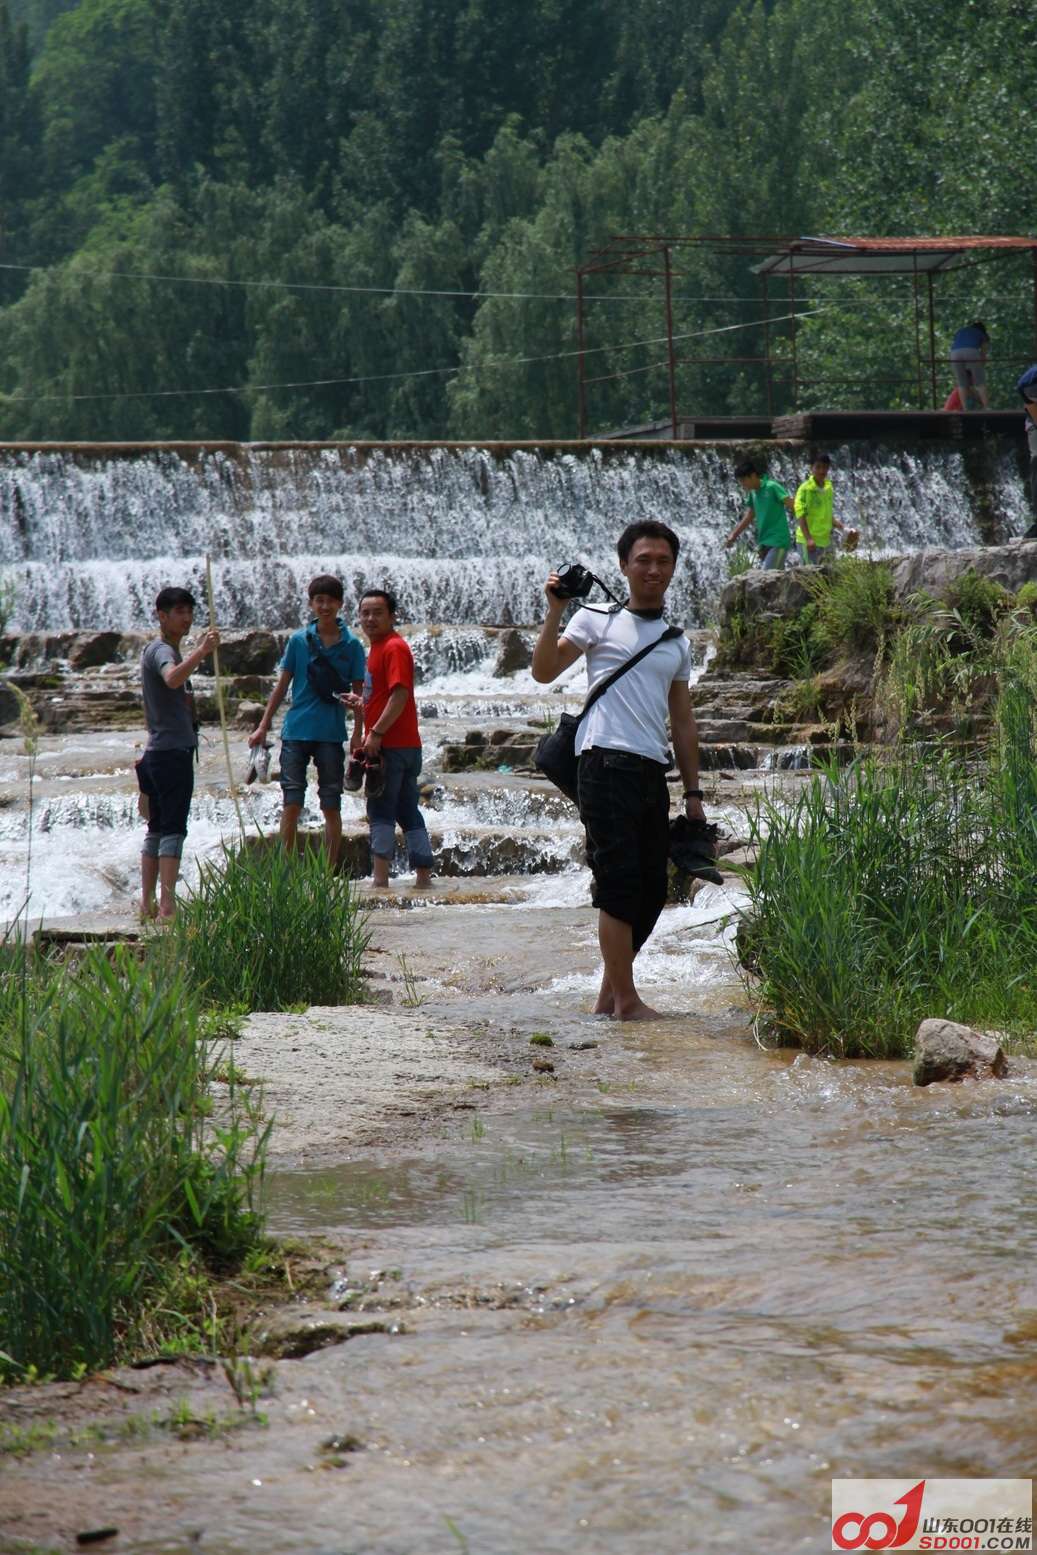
(315,724)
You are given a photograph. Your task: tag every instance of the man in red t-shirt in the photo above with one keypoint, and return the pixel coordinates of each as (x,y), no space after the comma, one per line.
(391,735)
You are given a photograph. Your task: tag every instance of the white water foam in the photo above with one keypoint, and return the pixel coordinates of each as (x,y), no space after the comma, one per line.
(460,536)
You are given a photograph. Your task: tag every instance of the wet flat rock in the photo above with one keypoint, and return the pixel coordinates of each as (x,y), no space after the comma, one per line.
(332,1077)
(97,928)
(297,1332)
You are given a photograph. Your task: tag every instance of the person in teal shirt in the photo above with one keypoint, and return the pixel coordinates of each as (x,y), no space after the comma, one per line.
(315,725)
(814,506)
(768,510)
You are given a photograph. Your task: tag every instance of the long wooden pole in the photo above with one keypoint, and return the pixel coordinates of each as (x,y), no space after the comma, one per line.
(219,697)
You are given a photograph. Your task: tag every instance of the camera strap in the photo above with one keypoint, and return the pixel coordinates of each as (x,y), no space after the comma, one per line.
(599,690)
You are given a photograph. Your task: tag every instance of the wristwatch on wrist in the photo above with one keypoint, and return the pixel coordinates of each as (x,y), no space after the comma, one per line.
(694,793)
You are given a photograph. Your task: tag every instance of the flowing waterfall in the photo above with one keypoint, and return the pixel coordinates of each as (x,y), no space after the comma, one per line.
(462,536)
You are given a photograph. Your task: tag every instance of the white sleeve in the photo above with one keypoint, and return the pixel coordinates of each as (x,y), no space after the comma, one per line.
(583,629)
(684,667)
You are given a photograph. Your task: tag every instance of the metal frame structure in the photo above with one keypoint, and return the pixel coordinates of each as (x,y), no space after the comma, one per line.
(918,257)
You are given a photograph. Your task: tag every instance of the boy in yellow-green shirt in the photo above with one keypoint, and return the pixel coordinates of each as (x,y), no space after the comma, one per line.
(814,512)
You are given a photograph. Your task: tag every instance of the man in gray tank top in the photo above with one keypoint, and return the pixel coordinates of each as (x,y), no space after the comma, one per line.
(165,772)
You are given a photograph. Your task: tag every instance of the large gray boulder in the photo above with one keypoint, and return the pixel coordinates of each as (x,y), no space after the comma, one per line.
(91,649)
(248,653)
(945,1050)
(514,653)
(764,595)
(755,595)
(935,572)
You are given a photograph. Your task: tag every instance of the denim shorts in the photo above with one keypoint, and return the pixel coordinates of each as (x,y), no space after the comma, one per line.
(329,757)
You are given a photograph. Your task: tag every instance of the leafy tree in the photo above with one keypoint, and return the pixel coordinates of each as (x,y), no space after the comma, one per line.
(19,142)
(94,85)
(274,160)
(211,63)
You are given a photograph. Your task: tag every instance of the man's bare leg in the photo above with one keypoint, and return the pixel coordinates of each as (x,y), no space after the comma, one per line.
(148,883)
(379,871)
(617,952)
(168,874)
(605,1004)
(332,834)
(422,879)
(290,825)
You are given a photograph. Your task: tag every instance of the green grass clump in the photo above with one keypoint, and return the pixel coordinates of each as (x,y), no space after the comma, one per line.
(269,929)
(851,611)
(741,559)
(111,1172)
(856,611)
(794,645)
(901,891)
(979,603)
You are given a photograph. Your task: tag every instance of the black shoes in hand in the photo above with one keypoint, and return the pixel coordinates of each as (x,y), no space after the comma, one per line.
(366,772)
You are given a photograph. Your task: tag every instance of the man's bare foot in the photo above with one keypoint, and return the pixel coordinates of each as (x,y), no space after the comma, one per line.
(148,911)
(637,1011)
(423,880)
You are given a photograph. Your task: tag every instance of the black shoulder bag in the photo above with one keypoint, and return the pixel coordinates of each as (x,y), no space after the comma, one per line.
(555,755)
(325,680)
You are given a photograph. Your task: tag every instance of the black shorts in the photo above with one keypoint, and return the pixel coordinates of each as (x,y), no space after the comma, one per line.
(167,778)
(625,808)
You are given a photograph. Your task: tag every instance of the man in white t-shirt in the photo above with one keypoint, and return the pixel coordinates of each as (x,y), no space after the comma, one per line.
(623,752)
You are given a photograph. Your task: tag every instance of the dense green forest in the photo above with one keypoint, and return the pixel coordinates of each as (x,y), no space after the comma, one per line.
(299,219)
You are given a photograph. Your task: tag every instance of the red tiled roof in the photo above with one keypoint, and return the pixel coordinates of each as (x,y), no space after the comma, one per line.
(931,245)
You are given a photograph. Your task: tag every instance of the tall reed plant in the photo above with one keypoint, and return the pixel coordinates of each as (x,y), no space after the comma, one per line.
(109,1169)
(269,929)
(900,890)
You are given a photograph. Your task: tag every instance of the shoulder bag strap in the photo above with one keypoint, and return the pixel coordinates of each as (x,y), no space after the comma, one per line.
(670,633)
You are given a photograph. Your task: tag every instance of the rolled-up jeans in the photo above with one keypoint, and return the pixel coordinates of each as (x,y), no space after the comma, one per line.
(398,802)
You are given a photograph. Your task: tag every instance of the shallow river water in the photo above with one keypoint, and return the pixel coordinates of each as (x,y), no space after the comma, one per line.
(740,1276)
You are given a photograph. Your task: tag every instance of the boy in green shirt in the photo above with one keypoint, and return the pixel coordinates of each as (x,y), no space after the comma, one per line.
(769,505)
(814,510)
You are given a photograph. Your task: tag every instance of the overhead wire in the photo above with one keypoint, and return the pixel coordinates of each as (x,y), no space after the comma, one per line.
(394,291)
(423,372)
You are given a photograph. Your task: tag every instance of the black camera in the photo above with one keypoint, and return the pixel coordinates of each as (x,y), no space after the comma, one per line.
(574,581)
